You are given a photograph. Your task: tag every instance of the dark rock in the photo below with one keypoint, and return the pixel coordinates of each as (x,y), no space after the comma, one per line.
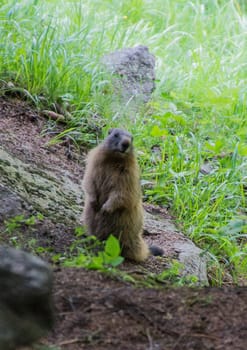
(134,75)
(10,204)
(26,311)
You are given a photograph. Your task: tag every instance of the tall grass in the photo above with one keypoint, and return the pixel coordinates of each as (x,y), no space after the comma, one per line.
(197,118)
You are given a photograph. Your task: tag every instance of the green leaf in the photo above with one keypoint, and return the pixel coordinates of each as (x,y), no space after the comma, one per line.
(177,118)
(116,261)
(242,150)
(158,132)
(112,246)
(215,147)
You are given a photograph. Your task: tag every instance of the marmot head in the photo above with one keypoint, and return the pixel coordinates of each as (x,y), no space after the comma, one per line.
(119,140)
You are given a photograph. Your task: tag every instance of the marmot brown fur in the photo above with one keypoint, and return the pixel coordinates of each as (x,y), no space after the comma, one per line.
(113,203)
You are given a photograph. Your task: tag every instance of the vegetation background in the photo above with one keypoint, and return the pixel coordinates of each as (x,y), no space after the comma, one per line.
(50,51)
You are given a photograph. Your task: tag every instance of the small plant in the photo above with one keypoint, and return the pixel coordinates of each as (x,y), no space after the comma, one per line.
(18,221)
(172,276)
(14,224)
(14,227)
(107,258)
(45,347)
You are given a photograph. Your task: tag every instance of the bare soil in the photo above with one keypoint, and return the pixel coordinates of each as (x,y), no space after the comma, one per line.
(96,311)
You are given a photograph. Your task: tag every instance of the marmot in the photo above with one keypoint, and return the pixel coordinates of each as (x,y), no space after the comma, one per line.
(113,199)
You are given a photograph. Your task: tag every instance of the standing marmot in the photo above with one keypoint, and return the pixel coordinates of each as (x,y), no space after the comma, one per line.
(113,203)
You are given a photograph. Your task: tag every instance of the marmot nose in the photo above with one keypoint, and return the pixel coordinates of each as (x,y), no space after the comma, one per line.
(125,145)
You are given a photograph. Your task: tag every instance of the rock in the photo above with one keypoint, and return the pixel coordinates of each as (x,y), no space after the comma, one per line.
(158,229)
(133,75)
(26,311)
(206,168)
(10,204)
(53,195)
(193,259)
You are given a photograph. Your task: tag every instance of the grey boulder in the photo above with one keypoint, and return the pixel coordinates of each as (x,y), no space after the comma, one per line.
(26,310)
(133,75)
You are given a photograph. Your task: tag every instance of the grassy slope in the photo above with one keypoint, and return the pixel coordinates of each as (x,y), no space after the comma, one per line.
(198,113)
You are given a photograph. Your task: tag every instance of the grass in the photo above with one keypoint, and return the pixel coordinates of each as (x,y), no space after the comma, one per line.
(196,119)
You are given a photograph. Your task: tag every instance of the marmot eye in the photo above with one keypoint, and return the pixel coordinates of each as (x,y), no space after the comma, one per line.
(116,135)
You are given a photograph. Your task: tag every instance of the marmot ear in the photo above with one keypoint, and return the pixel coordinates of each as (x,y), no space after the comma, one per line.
(110,131)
